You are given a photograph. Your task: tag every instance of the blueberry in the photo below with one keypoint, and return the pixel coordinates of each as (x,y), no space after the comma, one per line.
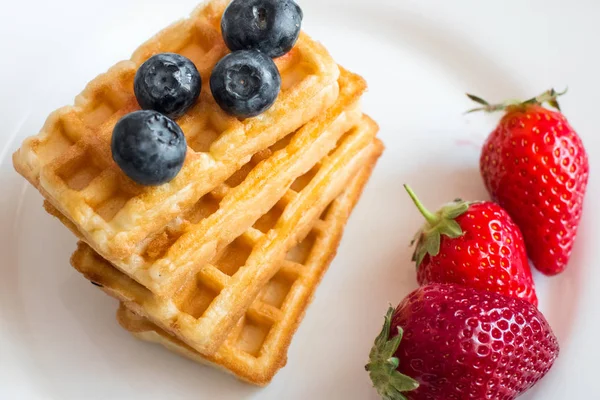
(168,83)
(245,83)
(149,147)
(270,26)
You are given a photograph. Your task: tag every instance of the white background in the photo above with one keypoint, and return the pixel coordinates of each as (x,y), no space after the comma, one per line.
(58,336)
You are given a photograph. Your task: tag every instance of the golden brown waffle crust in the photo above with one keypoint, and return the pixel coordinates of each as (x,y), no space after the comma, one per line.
(70,163)
(225,359)
(206,329)
(171,255)
(82,132)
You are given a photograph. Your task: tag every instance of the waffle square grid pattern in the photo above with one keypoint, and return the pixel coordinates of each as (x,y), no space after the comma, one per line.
(168,257)
(70,161)
(256,347)
(194,313)
(221,263)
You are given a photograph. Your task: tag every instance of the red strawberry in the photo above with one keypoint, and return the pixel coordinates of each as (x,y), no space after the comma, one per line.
(535,166)
(451,342)
(473,244)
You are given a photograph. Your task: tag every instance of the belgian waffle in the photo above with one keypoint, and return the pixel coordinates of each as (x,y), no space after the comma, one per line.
(70,161)
(256,347)
(203,310)
(165,259)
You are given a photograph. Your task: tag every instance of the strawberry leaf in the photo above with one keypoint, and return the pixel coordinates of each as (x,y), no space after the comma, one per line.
(549,96)
(383,365)
(428,239)
(451,229)
(478,99)
(432,243)
(455,209)
(419,254)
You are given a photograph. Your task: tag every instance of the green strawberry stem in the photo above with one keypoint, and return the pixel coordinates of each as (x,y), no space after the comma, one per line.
(549,96)
(431,218)
(443,222)
(383,366)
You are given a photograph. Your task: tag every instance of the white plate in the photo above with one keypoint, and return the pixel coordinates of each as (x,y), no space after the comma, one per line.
(58,336)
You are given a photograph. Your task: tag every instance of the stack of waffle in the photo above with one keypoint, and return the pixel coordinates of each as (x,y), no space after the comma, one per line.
(221,263)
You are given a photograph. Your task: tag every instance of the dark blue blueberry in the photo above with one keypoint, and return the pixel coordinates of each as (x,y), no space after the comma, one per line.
(149,147)
(245,83)
(168,83)
(270,26)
